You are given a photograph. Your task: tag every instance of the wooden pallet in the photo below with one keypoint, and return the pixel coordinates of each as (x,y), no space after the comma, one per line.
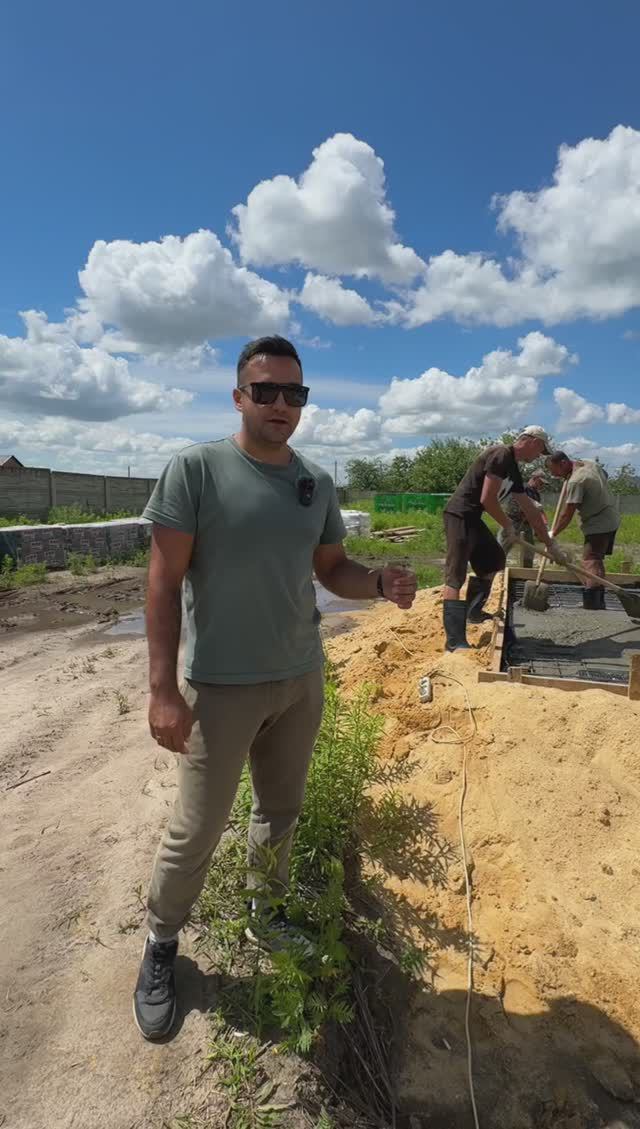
(519,675)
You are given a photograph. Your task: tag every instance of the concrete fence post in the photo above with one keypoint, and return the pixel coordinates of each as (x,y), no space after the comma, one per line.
(105,483)
(52,489)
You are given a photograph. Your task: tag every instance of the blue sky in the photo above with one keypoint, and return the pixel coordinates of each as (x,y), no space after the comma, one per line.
(139,121)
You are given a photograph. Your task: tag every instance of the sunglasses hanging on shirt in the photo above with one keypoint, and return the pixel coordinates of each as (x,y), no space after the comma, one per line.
(267,392)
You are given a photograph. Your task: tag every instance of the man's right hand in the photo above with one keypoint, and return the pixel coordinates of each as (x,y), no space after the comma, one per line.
(508,536)
(170,720)
(558,555)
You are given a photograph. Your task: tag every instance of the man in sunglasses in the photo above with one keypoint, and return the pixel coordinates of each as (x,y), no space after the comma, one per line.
(240,525)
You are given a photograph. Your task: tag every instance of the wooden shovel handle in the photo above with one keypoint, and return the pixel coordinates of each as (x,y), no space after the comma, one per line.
(581,573)
(543,562)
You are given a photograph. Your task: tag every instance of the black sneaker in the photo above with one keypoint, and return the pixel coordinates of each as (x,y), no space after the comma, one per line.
(154,999)
(274,932)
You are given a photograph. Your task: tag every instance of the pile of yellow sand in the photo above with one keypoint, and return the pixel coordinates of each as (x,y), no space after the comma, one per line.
(552,824)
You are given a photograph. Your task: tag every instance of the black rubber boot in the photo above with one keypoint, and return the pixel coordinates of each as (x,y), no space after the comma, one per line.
(454,616)
(601,600)
(591,599)
(477,595)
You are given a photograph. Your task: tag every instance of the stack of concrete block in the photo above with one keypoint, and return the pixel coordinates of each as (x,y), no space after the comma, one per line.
(91,538)
(103,540)
(40,544)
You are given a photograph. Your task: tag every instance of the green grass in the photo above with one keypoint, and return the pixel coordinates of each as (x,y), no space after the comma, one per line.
(19,520)
(81,565)
(21,577)
(67,515)
(418,553)
(78,515)
(139,558)
(289,999)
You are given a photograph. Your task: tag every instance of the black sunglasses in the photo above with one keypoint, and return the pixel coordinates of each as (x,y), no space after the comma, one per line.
(267,392)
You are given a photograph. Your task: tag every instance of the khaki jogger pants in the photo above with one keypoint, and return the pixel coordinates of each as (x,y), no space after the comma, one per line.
(273,723)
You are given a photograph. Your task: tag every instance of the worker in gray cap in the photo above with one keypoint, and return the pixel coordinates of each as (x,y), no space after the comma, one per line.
(491,478)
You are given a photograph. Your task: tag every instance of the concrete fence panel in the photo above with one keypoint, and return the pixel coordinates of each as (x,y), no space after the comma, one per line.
(25,491)
(128,494)
(86,490)
(33,491)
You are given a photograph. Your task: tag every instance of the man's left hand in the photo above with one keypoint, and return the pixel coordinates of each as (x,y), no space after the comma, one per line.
(399,586)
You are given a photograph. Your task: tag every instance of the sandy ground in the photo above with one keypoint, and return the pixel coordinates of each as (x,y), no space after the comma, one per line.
(77,849)
(551,821)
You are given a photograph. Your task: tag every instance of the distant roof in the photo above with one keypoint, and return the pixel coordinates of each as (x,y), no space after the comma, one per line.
(8,459)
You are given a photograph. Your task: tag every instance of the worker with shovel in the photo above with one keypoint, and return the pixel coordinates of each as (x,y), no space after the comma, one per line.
(533,489)
(495,474)
(243,522)
(587,492)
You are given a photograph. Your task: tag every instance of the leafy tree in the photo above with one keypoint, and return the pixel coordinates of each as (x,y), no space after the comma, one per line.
(438,468)
(365,474)
(397,476)
(625,480)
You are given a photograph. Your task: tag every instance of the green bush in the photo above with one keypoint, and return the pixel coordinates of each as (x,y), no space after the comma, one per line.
(139,558)
(21,577)
(20,520)
(300,990)
(79,515)
(81,565)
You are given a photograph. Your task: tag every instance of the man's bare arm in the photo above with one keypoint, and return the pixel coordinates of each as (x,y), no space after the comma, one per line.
(169,715)
(534,516)
(566,517)
(353,581)
(489,499)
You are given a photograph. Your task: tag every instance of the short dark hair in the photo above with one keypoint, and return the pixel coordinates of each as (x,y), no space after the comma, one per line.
(558,457)
(274,346)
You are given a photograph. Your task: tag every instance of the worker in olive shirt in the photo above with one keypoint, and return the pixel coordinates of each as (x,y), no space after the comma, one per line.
(244,523)
(588,492)
(495,474)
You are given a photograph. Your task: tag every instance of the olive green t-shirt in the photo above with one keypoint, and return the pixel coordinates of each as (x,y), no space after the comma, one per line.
(249,594)
(588,489)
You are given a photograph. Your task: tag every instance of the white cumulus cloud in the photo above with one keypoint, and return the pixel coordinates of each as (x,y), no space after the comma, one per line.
(178,292)
(578,242)
(622,413)
(335,429)
(582,448)
(48,372)
(329,299)
(575,411)
(504,387)
(335,219)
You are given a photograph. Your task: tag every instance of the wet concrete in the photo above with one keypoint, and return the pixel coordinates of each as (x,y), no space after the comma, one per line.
(568,642)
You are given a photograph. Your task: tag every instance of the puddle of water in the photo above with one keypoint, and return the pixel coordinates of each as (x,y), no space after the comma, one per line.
(133,624)
(329,606)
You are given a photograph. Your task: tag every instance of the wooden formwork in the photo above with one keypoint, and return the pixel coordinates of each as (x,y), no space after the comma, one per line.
(519,674)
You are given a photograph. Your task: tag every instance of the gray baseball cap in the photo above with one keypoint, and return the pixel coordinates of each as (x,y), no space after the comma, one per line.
(535,432)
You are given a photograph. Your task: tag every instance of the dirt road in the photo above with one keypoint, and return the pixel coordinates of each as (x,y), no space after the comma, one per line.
(77,848)
(552,825)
